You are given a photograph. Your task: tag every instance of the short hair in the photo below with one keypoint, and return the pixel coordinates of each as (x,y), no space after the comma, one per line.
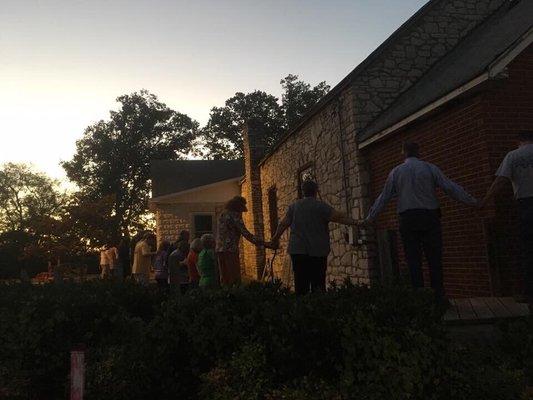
(196,245)
(411,149)
(207,238)
(148,235)
(237,204)
(183,246)
(184,234)
(525,135)
(164,245)
(309,188)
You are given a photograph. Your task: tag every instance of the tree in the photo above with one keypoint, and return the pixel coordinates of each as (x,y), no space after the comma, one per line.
(25,196)
(298,97)
(222,136)
(113,157)
(31,206)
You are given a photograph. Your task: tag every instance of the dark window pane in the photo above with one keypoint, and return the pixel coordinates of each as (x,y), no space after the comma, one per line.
(203,224)
(273,209)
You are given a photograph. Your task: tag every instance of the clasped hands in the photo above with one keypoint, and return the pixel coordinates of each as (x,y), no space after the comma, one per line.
(273,245)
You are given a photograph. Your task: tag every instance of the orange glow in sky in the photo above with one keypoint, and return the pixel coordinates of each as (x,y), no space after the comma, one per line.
(63,62)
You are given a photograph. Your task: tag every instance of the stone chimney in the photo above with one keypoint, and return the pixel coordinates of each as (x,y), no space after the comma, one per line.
(254,150)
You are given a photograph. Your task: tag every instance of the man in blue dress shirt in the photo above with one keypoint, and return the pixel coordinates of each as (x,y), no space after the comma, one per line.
(414,183)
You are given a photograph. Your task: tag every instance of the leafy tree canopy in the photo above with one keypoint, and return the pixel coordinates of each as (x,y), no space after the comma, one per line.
(113,157)
(25,197)
(31,211)
(222,135)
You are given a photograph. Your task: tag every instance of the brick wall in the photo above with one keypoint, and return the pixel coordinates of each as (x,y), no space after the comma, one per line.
(326,144)
(467,139)
(173,218)
(453,140)
(253,258)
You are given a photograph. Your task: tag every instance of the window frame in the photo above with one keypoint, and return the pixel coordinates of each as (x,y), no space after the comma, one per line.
(193,223)
(303,168)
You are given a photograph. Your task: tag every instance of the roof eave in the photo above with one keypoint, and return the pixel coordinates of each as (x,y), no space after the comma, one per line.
(165,198)
(495,69)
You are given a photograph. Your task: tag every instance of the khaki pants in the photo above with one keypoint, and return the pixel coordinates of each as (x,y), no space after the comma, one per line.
(229,265)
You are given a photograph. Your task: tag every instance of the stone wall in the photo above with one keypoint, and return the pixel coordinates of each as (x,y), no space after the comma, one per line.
(427,38)
(173,218)
(253,258)
(326,143)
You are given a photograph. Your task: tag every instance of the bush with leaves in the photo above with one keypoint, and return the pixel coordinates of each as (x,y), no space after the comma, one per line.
(255,342)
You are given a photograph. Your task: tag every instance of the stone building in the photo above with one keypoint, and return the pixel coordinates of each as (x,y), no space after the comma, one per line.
(458,78)
(190,194)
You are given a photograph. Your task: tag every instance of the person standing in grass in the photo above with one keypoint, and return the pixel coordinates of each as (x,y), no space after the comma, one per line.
(207,266)
(104,263)
(161,265)
(414,183)
(142,259)
(112,259)
(177,264)
(230,229)
(517,168)
(192,262)
(309,240)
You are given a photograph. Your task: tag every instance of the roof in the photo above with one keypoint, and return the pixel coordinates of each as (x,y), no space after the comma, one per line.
(174,176)
(468,60)
(346,81)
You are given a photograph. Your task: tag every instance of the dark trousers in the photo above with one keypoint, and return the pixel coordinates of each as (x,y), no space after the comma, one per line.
(309,273)
(525,215)
(162,283)
(421,232)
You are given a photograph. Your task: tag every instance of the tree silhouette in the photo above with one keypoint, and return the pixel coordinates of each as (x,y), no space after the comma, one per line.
(222,136)
(112,159)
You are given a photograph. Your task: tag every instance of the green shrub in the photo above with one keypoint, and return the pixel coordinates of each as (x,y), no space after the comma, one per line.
(255,342)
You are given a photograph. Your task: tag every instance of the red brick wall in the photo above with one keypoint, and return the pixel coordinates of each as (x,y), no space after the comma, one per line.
(467,139)
(452,139)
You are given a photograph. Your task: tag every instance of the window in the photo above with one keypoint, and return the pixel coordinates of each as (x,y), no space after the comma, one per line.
(305,173)
(273,209)
(202,224)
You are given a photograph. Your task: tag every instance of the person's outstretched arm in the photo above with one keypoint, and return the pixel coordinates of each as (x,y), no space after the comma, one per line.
(452,189)
(239,224)
(497,186)
(282,227)
(388,192)
(503,175)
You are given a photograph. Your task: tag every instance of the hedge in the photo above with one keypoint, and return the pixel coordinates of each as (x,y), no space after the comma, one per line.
(254,342)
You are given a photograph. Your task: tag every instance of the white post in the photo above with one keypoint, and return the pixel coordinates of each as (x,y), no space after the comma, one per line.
(77,373)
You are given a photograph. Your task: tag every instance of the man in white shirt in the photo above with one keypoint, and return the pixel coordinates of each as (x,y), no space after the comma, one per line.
(104,263)
(517,167)
(414,183)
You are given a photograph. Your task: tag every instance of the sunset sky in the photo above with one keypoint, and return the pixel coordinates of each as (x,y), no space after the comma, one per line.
(63,62)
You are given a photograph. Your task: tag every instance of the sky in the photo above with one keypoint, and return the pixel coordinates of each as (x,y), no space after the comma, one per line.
(64,62)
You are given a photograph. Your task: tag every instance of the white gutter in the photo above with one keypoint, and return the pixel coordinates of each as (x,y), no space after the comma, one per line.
(427,109)
(494,69)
